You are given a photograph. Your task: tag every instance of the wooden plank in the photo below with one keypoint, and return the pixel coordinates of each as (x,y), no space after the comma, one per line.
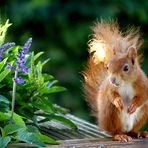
(101,143)
(59,131)
(92,143)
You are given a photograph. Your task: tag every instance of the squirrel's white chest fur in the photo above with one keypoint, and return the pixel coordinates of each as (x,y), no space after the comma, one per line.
(127,93)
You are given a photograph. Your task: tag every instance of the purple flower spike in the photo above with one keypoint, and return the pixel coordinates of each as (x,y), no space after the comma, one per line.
(20,62)
(10,67)
(4,47)
(27,45)
(19,80)
(24,49)
(21,56)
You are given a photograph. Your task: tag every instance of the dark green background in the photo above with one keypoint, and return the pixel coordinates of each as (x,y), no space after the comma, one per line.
(61,28)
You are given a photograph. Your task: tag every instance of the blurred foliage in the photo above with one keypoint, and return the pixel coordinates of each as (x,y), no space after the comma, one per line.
(62,28)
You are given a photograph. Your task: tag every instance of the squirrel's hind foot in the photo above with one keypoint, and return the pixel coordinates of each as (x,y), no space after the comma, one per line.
(138,134)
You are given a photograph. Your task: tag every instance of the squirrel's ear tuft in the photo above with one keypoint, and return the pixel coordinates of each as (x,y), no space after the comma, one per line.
(132,53)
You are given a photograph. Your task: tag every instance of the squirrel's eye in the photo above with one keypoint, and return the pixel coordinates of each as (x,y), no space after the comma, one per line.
(126,68)
(107,66)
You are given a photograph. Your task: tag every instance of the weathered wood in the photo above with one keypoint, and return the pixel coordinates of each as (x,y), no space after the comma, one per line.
(86,136)
(85,129)
(102,143)
(92,143)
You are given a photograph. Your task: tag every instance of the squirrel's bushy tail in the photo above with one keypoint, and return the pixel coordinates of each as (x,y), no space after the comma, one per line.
(107,40)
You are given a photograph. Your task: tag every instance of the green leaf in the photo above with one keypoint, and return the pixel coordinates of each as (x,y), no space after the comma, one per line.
(41,88)
(39,74)
(32,129)
(31,69)
(46,139)
(4,141)
(4,116)
(51,83)
(17,118)
(4,107)
(2,132)
(54,89)
(60,109)
(38,55)
(3,74)
(12,128)
(39,67)
(46,61)
(3,30)
(4,104)
(4,100)
(12,51)
(30,138)
(63,120)
(59,118)
(2,63)
(48,77)
(44,105)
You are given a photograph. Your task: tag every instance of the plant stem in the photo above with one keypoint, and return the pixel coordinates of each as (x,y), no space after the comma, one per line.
(13,94)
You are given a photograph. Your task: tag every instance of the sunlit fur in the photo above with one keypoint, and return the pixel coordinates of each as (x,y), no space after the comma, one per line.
(113,39)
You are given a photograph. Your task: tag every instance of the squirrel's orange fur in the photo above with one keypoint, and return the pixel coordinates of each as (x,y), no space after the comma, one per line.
(115,86)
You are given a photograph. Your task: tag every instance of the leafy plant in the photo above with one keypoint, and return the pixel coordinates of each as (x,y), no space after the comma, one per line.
(22,79)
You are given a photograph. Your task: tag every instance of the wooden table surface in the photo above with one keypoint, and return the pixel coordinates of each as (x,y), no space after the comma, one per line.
(102,143)
(92,143)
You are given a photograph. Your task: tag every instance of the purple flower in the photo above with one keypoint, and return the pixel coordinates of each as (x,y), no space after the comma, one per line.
(25,70)
(20,55)
(24,49)
(20,63)
(19,80)
(4,47)
(1,57)
(10,67)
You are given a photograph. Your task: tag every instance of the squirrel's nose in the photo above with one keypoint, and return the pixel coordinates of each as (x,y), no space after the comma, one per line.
(113,80)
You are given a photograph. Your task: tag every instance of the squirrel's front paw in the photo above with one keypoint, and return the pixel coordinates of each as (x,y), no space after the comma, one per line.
(118,103)
(132,108)
(122,137)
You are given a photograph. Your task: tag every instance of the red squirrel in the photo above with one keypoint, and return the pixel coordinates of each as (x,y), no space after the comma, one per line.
(115,86)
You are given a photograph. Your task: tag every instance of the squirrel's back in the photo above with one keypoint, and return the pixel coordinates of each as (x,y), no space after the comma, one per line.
(107,40)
